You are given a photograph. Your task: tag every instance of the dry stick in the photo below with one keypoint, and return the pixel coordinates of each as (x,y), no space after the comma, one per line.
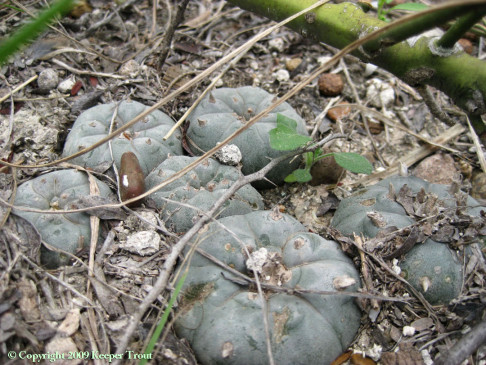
(21,86)
(82,72)
(434,108)
(465,346)
(477,144)
(365,270)
(363,116)
(67,286)
(323,114)
(169,32)
(155,4)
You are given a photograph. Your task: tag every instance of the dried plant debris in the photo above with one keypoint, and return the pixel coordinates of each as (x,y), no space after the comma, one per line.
(442,221)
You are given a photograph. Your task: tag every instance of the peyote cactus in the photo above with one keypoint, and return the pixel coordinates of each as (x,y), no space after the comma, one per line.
(144,139)
(56,190)
(225,110)
(200,188)
(431,267)
(223,320)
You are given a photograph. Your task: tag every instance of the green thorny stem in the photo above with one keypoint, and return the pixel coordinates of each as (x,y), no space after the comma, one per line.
(417,61)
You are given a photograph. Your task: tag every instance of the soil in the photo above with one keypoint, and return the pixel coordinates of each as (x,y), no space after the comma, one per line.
(109,52)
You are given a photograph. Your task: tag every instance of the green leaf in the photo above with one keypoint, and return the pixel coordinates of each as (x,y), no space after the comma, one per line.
(410,7)
(353,162)
(299,175)
(285,136)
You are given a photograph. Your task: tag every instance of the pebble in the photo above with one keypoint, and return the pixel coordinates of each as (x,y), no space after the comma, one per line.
(330,84)
(438,169)
(67,84)
(337,113)
(282,75)
(323,59)
(380,93)
(276,44)
(370,69)
(479,186)
(48,79)
(229,155)
(142,243)
(466,45)
(293,63)
(130,68)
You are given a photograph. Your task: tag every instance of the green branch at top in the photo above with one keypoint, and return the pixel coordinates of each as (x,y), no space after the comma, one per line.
(32,29)
(461,26)
(417,61)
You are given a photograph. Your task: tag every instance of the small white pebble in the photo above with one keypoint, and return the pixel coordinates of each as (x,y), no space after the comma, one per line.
(369,69)
(276,44)
(395,267)
(282,75)
(229,155)
(426,357)
(323,59)
(130,68)
(66,85)
(257,259)
(408,331)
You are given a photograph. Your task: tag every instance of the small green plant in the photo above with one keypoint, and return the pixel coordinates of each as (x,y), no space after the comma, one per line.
(382,13)
(163,320)
(286,138)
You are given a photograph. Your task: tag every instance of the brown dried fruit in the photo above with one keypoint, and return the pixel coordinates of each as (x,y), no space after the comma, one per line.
(132,181)
(330,84)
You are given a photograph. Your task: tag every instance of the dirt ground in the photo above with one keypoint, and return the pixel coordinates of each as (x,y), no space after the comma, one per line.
(111,52)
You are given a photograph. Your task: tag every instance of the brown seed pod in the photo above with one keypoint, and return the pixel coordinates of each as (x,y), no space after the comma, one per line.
(132,181)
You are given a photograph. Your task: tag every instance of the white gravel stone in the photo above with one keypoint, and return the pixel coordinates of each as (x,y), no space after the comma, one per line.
(282,75)
(229,154)
(66,85)
(142,243)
